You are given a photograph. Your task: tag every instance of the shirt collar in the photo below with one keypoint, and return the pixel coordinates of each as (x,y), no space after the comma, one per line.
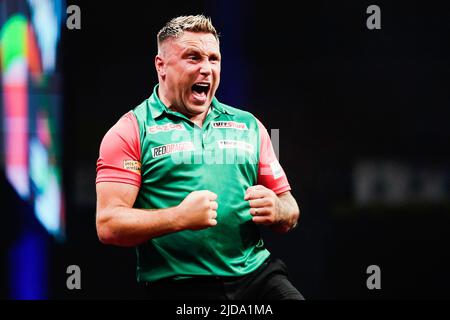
(157,107)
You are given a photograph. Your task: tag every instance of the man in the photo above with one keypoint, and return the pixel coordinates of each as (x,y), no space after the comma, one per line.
(188,180)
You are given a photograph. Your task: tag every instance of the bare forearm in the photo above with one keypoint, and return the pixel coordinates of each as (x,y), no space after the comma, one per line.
(124,226)
(288,213)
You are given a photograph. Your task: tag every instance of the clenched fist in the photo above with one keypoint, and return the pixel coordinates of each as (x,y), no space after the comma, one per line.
(198,210)
(264,205)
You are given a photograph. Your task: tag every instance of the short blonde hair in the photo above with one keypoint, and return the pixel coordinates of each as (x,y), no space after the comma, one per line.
(194,23)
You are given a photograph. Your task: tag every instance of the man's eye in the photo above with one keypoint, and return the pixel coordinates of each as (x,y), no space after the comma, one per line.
(195,58)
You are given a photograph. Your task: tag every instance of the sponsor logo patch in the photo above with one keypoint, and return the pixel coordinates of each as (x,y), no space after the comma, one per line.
(172,148)
(277,171)
(132,165)
(235,144)
(229,125)
(165,128)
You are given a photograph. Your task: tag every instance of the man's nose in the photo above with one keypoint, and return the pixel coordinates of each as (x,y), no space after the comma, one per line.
(205,68)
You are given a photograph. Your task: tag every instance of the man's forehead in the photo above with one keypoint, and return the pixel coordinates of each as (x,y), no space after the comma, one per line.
(197,39)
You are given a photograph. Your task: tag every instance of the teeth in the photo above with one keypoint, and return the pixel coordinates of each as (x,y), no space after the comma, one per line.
(201,88)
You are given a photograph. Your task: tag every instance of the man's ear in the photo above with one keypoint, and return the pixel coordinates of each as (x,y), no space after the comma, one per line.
(159,65)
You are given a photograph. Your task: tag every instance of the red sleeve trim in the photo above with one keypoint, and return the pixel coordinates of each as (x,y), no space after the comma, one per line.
(120,153)
(270,173)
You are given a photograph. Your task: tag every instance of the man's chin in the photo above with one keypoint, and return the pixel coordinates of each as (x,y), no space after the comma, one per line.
(199,107)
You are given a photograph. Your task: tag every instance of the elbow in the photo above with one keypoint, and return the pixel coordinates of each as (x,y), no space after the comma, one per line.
(109,232)
(296,217)
(104,232)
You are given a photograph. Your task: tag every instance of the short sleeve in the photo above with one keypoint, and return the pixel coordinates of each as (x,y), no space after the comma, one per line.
(120,153)
(270,173)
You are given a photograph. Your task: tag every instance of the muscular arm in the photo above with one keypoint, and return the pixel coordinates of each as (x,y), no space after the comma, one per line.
(288,213)
(271,202)
(120,224)
(117,222)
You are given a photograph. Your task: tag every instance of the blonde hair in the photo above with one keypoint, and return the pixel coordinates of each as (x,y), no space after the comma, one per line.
(175,27)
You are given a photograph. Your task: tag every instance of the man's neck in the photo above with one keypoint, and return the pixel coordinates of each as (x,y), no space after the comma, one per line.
(197,119)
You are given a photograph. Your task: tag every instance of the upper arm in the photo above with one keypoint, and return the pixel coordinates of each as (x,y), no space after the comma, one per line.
(270,173)
(114,194)
(111,197)
(120,153)
(118,166)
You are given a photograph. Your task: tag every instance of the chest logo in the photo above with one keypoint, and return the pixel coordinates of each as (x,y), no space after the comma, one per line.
(235,144)
(165,128)
(229,125)
(172,148)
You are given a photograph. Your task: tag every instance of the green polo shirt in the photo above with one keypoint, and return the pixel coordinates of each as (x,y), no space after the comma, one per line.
(178,157)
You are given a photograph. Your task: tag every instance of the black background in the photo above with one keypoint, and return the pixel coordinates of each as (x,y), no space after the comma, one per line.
(337,91)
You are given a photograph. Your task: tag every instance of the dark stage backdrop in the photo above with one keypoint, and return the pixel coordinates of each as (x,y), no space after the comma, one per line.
(363,136)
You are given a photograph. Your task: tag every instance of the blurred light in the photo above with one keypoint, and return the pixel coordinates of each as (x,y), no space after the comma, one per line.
(28,55)
(46,17)
(28,275)
(30,114)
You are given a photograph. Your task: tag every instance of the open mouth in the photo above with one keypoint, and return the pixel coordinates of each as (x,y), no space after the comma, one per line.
(200,90)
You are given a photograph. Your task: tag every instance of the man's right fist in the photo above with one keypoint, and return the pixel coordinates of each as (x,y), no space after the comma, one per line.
(198,210)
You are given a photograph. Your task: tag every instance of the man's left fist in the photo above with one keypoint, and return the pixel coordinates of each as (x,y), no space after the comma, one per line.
(264,205)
